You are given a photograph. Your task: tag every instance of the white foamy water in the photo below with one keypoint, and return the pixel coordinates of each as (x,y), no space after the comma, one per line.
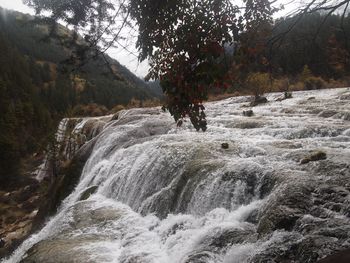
(169,194)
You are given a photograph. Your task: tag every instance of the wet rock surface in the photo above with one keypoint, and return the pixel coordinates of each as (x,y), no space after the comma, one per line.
(154,192)
(258,100)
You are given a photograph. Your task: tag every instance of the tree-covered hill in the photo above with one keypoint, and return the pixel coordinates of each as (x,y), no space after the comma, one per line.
(37,90)
(29,37)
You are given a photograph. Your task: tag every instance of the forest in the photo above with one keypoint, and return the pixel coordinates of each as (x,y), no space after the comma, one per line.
(37,90)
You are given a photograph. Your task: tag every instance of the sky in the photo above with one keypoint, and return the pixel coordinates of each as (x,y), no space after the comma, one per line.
(124,57)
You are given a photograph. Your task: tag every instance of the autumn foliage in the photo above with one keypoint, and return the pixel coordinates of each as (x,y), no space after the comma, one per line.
(193,55)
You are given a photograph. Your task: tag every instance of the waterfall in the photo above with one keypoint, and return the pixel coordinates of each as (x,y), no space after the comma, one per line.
(163,193)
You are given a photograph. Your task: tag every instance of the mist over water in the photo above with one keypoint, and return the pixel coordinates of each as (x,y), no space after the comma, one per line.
(169,194)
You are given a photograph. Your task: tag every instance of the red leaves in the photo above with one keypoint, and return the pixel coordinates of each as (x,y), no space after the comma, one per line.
(189,55)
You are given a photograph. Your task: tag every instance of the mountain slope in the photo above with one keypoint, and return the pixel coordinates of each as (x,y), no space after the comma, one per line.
(37,90)
(29,38)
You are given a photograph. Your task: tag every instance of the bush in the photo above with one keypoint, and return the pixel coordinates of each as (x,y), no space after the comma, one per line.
(134,103)
(90,110)
(116,108)
(311,83)
(306,73)
(297,86)
(280,85)
(258,83)
(151,103)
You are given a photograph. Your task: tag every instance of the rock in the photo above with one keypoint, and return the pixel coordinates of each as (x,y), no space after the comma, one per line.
(346,116)
(229,237)
(267,183)
(345,96)
(89,191)
(327,113)
(339,257)
(28,206)
(281,249)
(286,95)
(61,249)
(282,217)
(2,243)
(258,100)
(314,247)
(287,144)
(115,117)
(249,124)
(5,198)
(253,217)
(319,155)
(248,113)
(219,241)
(224,145)
(283,211)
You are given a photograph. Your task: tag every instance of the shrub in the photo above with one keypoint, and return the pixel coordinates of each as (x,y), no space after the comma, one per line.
(90,110)
(306,73)
(258,83)
(311,83)
(151,103)
(134,103)
(280,85)
(116,108)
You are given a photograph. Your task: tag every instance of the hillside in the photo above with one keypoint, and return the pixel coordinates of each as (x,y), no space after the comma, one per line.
(29,38)
(37,90)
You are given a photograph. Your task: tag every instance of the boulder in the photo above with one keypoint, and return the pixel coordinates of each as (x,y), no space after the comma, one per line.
(258,100)
(345,96)
(89,191)
(224,145)
(316,156)
(339,257)
(248,113)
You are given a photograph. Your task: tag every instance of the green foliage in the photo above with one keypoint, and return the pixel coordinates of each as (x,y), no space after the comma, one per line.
(319,41)
(103,87)
(9,152)
(189,57)
(309,81)
(23,116)
(36,92)
(306,73)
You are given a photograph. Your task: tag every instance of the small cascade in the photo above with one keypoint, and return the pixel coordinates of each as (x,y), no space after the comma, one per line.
(71,135)
(153,192)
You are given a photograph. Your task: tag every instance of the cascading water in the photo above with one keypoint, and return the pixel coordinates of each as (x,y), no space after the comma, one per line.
(168,194)
(70,136)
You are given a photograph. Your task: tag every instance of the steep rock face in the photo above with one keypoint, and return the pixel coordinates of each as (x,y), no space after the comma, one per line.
(152,192)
